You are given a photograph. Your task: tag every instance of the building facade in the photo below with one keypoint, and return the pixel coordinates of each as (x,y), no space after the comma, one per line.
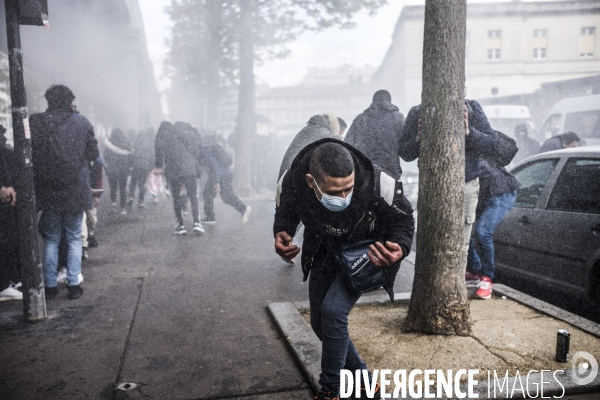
(511,48)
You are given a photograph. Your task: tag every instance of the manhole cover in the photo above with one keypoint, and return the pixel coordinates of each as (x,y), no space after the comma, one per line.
(127,386)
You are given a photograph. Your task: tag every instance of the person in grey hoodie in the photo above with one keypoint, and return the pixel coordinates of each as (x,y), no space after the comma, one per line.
(318,127)
(377,131)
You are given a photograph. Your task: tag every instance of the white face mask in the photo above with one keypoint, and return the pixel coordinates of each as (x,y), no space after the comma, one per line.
(333,203)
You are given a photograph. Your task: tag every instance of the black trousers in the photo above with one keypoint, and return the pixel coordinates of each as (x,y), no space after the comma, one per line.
(191,187)
(9,246)
(118,183)
(227,195)
(138,178)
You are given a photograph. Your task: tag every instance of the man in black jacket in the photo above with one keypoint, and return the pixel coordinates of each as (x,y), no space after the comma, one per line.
(377,131)
(63,144)
(340,197)
(479,139)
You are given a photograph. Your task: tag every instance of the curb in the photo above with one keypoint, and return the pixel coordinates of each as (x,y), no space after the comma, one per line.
(306,347)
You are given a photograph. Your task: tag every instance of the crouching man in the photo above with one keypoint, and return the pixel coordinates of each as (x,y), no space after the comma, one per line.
(340,197)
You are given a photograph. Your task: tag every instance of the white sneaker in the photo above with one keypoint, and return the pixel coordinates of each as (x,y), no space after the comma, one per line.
(246,215)
(62,276)
(198,228)
(10,293)
(124,211)
(113,208)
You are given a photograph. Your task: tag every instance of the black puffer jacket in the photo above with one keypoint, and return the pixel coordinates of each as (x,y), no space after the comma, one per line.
(175,151)
(74,135)
(481,140)
(317,127)
(378,210)
(376,133)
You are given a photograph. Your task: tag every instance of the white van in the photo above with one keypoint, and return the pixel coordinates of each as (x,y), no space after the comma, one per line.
(504,118)
(577,114)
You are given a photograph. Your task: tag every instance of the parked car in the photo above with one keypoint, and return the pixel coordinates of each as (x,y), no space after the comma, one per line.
(504,118)
(551,238)
(577,114)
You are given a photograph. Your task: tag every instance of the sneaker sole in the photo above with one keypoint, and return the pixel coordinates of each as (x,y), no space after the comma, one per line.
(483,297)
(5,298)
(209,222)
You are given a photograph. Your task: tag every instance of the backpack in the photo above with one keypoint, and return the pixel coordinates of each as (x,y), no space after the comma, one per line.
(59,169)
(505,150)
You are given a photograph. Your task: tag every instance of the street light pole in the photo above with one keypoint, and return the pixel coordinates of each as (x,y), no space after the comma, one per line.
(34,302)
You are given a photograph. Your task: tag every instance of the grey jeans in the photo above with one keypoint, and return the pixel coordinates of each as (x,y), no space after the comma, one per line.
(471,198)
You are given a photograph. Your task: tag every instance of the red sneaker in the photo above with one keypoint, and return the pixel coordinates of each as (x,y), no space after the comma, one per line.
(484,289)
(472,278)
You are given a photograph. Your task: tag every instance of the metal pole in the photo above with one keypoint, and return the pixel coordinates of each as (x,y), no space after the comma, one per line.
(34,302)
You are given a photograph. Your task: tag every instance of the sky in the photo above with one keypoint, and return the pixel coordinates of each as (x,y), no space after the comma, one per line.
(364,45)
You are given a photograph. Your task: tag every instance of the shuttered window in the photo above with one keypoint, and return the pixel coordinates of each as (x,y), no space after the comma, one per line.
(494,44)
(587,42)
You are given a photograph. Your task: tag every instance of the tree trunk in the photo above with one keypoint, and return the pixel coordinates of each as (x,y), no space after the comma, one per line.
(246,113)
(439,303)
(212,79)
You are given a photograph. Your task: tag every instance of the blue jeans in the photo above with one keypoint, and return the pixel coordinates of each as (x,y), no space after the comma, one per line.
(494,210)
(330,304)
(53,224)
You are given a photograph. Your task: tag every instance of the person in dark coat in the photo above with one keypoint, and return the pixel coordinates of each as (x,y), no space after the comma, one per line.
(480,139)
(117,162)
(8,226)
(177,153)
(497,195)
(220,180)
(318,127)
(377,131)
(142,164)
(527,146)
(559,142)
(63,144)
(340,197)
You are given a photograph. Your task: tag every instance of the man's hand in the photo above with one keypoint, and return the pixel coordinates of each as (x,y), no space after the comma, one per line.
(96,201)
(217,187)
(283,248)
(384,256)
(467,130)
(8,195)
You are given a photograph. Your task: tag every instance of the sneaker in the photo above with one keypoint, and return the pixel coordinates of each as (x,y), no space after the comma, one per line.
(113,208)
(185,212)
(62,276)
(198,229)
(75,292)
(484,289)
(124,211)
(472,278)
(246,215)
(180,230)
(141,206)
(208,221)
(92,242)
(325,395)
(10,293)
(130,202)
(155,200)
(84,254)
(50,292)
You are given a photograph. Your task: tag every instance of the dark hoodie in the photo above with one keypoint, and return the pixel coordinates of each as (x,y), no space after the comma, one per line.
(317,127)
(376,132)
(63,143)
(117,155)
(175,151)
(369,215)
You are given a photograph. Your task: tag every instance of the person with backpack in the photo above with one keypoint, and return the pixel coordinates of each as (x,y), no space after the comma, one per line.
(142,164)
(220,180)
(117,162)
(63,143)
(176,153)
(480,139)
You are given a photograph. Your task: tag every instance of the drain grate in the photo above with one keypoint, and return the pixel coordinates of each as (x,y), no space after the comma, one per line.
(126,386)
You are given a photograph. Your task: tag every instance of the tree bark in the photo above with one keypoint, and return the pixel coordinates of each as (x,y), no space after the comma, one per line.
(246,112)
(439,303)
(212,79)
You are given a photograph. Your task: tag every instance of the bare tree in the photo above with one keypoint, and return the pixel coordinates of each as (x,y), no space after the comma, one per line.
(438,303)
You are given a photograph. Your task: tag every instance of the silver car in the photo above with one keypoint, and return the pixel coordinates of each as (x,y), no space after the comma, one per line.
(552,235)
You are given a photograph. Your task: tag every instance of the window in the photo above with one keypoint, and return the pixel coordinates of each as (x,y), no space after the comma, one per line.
(494,45)
(586,124)
(551,127)
(539,43)
(577,187)
(587,42)
(533,178)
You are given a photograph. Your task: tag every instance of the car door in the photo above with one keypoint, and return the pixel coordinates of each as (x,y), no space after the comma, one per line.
(519,238)
(572,223)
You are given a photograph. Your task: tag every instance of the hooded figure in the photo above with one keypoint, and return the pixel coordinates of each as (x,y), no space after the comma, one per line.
(142,164)
(117,161)
(377,131)
(318,127)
